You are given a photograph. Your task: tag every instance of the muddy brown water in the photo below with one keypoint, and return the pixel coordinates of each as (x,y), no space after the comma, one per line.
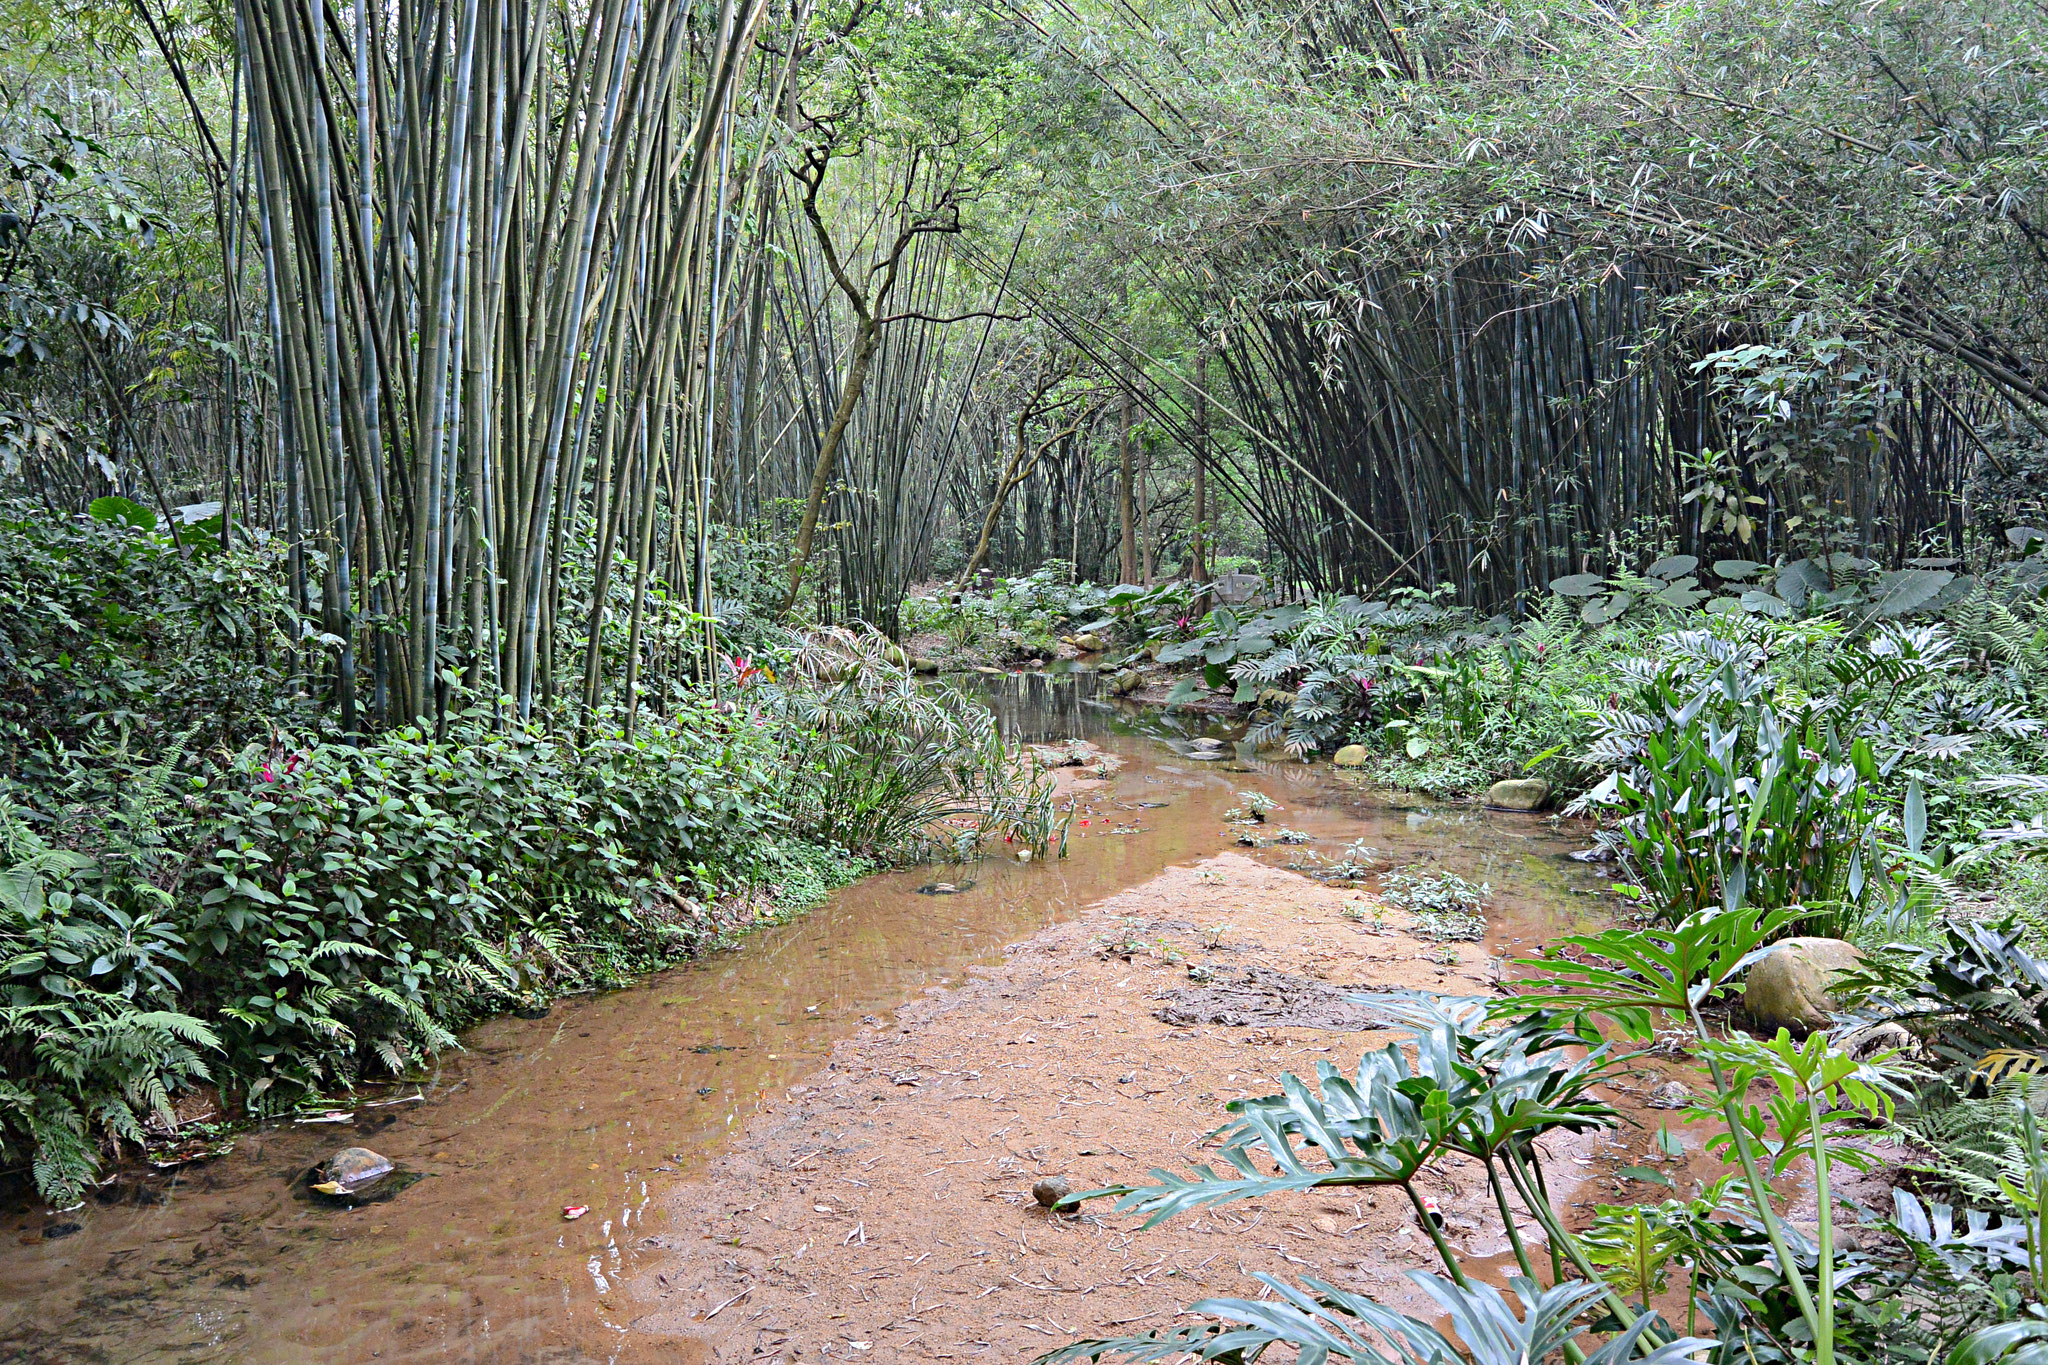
(610,1099)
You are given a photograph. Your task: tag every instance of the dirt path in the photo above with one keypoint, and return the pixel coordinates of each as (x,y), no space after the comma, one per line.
(886,1214)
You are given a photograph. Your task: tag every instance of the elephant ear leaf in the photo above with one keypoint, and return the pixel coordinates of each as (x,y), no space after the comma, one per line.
(1673,567)
(1908,590)
(122,510)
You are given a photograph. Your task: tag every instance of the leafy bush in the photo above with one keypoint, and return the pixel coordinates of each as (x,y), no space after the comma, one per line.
(880,760)
(290,914)
(91,1035)
(1722,797)
(1021,618)
(113,640)
(367,900)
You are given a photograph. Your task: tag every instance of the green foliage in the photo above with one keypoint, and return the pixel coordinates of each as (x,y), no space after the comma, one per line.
(1445,905)
(92,1039)
(1486,1080)
(368,899)
(291,913)
(1328,1323)
(1018,618)
(1723,798)
(881,760)
(113,641)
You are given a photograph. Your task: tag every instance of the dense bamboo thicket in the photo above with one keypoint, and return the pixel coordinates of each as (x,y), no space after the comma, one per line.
(553,342)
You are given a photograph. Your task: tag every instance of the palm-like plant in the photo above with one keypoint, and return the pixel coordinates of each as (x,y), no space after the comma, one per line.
(1483,1092)
(887,758)
(1323,1323)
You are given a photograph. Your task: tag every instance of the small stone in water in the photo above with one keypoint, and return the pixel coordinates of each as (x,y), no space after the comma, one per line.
(1050,1191)
(352,1169)
(1670,1095)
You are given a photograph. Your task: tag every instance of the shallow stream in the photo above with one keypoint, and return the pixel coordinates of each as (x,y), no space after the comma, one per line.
(610,1099)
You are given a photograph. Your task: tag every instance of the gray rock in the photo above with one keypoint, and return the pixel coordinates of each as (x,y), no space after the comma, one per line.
(1879,1039)
(1789,988)
(1050,1191)
(1351,756)
(353,1170)
(1519,793)
(1670,1095)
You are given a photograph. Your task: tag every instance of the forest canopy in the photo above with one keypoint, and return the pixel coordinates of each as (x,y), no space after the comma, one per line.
(547,329)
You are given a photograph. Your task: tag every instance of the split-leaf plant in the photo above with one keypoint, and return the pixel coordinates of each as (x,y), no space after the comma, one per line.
(1487,1079)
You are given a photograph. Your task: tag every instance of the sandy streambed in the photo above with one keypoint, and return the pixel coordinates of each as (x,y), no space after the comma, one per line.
(886,1214)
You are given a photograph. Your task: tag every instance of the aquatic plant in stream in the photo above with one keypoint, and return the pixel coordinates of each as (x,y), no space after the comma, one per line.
(1252,808)
(1358,861)
(1446,906)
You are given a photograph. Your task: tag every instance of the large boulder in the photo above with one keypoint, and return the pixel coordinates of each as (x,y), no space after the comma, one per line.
(1351,756)
(1519,793)
(1790,987)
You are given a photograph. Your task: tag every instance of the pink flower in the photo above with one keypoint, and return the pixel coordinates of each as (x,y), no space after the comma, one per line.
(268,776)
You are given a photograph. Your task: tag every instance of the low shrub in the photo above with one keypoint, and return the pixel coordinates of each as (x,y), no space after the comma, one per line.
(299,913)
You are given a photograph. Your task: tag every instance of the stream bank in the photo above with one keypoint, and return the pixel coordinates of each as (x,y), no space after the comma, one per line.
(623,1101)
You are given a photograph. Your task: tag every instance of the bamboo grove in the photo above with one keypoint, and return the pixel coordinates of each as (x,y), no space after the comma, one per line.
(467,237)
(560,345)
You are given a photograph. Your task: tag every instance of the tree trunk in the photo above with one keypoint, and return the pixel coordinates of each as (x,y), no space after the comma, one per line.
(828,453)
(1198,559)
(1125,512)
